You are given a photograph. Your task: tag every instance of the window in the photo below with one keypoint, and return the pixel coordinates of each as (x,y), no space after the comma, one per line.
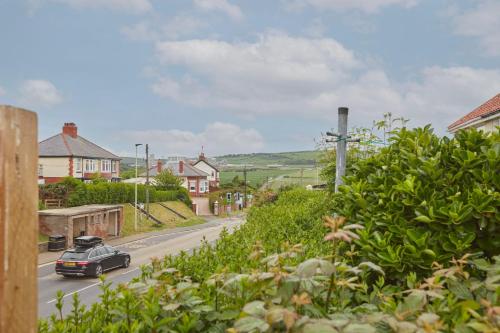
(106,166)
(78,165)
(40,170)
(90,166)
(203,186)
(113,166)
(192,186)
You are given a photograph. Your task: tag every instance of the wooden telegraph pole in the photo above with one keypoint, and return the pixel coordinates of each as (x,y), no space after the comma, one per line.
(18,220)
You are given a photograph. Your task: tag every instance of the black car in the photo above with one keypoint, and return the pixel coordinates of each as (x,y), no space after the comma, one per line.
(90,257)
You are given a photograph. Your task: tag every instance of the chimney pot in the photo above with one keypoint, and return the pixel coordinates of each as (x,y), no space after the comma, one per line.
(70,129)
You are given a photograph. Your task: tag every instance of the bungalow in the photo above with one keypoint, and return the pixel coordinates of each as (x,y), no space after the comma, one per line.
(68,154)
(485,117)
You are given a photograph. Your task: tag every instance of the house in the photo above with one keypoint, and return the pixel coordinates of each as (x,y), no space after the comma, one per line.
(213,173)
(97,220)
(485,117)
(193,179)
(68,154)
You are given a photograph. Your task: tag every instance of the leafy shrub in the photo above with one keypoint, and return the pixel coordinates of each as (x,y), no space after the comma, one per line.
(424,199)
(115,193)
(281,293)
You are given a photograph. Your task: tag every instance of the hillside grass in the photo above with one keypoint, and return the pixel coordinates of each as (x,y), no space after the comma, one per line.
(255,177)
(169,219)
(297,158)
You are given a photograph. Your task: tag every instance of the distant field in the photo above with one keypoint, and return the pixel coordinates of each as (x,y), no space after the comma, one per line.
(307,177)
(255,177)
(298,158)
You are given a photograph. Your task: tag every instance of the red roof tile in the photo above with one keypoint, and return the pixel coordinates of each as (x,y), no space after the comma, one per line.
(491,106)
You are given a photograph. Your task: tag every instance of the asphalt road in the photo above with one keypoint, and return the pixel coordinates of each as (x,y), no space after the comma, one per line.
(141,252)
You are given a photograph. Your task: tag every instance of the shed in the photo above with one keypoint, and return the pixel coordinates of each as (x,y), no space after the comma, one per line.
(91,220)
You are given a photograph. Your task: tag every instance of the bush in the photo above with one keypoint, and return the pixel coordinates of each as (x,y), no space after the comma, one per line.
(424,199)
(255,280)
(115,193)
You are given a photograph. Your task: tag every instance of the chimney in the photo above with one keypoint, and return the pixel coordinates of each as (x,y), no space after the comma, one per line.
(159,166)
(181,167)
(202,157)
(70,129)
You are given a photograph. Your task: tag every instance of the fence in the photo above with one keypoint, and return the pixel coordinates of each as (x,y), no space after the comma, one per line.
(18,220)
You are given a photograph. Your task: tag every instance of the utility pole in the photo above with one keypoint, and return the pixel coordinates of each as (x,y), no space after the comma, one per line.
(135,207)
(147,180)
(245,191)
(341,147)
(341,139)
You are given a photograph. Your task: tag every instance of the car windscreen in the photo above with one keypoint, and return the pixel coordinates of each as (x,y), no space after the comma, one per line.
(70,255)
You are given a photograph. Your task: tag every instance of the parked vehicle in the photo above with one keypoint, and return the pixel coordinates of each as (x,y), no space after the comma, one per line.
(90,257)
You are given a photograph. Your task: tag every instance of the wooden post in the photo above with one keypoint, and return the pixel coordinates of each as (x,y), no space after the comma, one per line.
(18,220)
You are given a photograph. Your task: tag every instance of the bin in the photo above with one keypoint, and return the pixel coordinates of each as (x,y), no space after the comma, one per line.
(57,242)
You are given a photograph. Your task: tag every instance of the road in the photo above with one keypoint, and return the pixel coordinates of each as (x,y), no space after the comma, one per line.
(141,252)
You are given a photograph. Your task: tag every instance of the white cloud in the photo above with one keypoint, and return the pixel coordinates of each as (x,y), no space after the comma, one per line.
(367,6)
(310,78)
(217,138)
(482,22)
(39,94)
(130,6)
(176,27)
(233,11)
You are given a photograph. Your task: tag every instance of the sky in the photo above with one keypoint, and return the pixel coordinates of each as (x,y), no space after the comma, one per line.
(243,76)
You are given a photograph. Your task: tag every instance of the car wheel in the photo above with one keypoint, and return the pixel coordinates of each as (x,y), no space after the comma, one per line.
(98,271)
(126,262)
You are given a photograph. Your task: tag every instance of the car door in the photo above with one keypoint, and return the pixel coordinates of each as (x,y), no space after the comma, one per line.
(104,258)
(114,259)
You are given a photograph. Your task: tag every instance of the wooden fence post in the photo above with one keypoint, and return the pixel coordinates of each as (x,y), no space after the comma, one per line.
(18,220)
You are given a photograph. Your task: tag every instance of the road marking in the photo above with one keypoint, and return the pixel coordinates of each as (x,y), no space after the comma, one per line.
(132,270)
(74,292)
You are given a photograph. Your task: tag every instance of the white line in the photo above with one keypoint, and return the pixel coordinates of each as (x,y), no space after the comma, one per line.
(132,270)
(74,292)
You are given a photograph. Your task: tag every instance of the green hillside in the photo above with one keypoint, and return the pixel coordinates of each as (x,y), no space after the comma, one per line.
(296,158)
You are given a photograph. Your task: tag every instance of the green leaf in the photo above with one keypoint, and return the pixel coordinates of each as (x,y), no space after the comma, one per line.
(251,324)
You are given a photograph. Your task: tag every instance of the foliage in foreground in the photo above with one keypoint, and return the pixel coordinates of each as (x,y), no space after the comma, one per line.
(317,295)
(425,199)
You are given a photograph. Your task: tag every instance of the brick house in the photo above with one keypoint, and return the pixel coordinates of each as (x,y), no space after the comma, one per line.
(91,220)
(213,173)
(194,180)
(485,117)
(68,154)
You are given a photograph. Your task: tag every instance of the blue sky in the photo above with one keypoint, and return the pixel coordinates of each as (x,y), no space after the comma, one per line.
(243,76)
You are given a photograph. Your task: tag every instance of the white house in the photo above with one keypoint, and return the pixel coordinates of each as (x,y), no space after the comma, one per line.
(485,117)
(213,173)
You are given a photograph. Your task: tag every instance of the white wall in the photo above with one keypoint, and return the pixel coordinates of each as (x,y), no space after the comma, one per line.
(208,169)
(54,166)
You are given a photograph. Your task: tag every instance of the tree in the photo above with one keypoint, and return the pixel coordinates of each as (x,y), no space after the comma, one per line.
(166,180)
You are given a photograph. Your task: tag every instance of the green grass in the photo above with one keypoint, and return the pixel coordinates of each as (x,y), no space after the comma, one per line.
(307,177)
(169,219)
(181,208)
(255,177)
(297,158)
(143,224)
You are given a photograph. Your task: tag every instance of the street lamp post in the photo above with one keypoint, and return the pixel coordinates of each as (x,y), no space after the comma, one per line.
(135,216)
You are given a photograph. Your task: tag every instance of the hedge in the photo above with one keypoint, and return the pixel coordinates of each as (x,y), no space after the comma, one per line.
(115,193)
